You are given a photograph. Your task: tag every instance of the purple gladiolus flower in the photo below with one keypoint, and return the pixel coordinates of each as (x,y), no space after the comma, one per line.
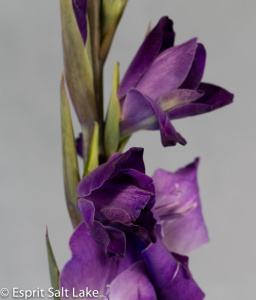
(179,210)
(117,198)
(156,275)
(163,83)
(114,278)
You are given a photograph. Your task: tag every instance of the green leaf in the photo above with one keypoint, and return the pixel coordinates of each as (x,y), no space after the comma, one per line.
(53,268)
(70,164)
(112,11)
(112,131)
(93,156)
(78,69)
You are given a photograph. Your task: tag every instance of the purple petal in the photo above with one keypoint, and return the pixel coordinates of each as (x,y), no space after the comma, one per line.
(79,7)
(132,159)
(214,96)
(197,69)
(139,110)
(170,277)
(178,98)
(89,266)
(133,284)
(159,39)
(79,145)
(178,206)
(168,70)
(123,196)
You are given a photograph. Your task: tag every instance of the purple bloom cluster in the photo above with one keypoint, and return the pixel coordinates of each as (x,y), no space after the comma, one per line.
(163,83)
(136,231)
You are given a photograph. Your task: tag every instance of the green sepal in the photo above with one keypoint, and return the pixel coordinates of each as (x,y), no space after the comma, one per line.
(93,156)
(53,268)
(123,143)
(112,131)
(70,164)
(78,69)
(112,11)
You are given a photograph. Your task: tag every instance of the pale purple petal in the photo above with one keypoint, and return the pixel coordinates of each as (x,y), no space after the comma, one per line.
(170,277)
(188,110)
(197,69)
(179,208)
(159,39)
(139,110)
(133,284)
(89,266)
(79,7)
(178,98)
(168,71)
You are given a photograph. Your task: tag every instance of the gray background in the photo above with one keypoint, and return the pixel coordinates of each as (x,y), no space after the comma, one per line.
(31,188)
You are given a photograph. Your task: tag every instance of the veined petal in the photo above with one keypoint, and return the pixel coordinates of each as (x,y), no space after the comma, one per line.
(133,284)
(170,277)
(138,113)
(168,70)
(79,7)
(178,206)
(159,39)
(197,69)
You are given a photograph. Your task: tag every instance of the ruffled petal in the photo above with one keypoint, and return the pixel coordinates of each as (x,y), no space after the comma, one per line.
(179,208)
(159,39)
(132,159)
(89,266)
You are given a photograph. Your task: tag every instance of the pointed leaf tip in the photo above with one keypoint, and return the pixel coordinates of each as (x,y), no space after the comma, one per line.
(112,132)
(53,268)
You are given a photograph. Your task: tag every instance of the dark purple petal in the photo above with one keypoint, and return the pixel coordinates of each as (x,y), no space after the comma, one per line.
(171,279)
(89,266)
(79,7)
(79,145)
(137,107)
(132,159)
(179,208)
(168,70)
(120,199)
(133,284)
(214,96)
(96,229)
(159,39)
(197,69)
